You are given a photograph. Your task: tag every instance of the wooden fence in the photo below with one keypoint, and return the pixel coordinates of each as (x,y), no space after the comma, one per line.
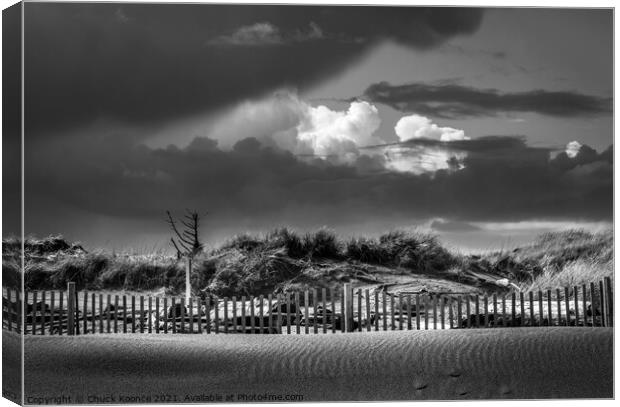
(315,311)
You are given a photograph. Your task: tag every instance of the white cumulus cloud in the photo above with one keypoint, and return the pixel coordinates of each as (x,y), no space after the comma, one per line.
(416,126)
(572,149)
(333,132)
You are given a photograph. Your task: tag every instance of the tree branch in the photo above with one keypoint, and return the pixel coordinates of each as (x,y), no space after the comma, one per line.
(188,237)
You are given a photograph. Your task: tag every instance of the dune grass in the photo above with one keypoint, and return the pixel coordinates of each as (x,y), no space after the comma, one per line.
(320,244)
(104,270)
(571,258)
(260,264)
(417,252)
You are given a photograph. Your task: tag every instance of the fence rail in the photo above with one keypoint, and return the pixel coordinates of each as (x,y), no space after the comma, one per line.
(314,311)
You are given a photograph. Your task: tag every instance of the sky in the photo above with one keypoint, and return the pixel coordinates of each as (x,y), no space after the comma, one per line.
(484,126)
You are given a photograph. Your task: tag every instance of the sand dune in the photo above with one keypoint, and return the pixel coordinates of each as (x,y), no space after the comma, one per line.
(402,365)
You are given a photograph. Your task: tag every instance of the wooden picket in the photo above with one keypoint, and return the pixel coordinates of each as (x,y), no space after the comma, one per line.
(270,317)
(315,303)
(408,312)
(52,310)
(368,322)
(234,313)
(208,314)
(468,310)
(115,313)
(376,308)
(384,310)
(288,313)
(225,315)
(243,328)
(253,320)
(124,314)
(459,313)
(297,314)
(610,301)
(182,306)
(549,310)
(601,296)
(584,304)
(324,298)
(442,312)
(417,312)
(333,298)
(434,301)
(141,314)
(165,313)
(306,312)
(150,320)
(343,322)
(504,316)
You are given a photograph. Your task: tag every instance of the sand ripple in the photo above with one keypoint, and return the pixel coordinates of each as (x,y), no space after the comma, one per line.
(459,364)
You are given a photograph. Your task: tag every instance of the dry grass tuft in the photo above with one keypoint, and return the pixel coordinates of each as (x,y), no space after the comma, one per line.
(418,252)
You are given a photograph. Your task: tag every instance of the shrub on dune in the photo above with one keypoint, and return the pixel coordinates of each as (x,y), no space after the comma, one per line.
(37,276)
(84,270)
(11,245)
(114,275)
(322,244)
(367,250)
(284,237)
(418,252)
(146,276)
(243,241)
(11,277)
(203,271)
(137,272)
(257,272)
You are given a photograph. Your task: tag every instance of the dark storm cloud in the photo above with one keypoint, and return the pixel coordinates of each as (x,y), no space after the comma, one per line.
(11,120)
(461,50)
(491,147)
(452,101)
(118,178)
(267,34)
(147,63)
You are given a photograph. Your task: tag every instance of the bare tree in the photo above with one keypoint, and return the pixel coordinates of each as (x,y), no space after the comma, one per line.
(186,240)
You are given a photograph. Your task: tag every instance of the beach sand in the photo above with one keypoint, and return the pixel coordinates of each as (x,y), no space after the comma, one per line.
(511,363)
(11,362)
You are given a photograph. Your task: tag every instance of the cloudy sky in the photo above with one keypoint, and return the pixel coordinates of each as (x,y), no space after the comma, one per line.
(486,126)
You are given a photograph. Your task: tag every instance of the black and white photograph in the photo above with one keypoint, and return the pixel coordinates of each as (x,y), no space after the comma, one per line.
(224,202)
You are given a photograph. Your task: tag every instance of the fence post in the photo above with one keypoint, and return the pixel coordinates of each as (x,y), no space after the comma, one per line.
(188,271)
(71,308)
(603,303)
(610,305)
(348,307)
